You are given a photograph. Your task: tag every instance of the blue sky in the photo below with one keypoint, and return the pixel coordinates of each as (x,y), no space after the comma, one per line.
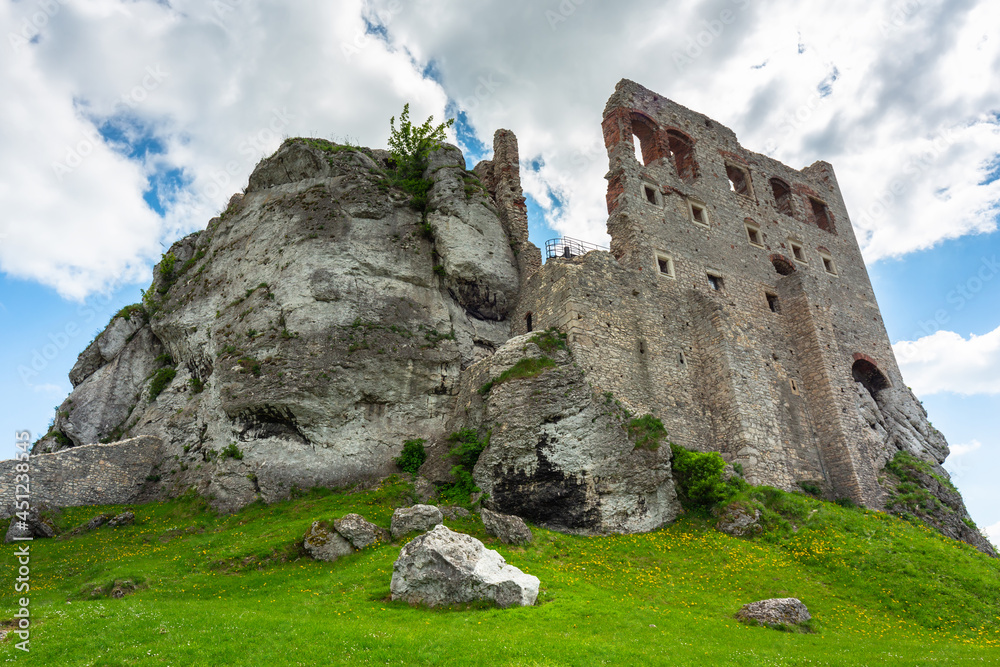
(126,125)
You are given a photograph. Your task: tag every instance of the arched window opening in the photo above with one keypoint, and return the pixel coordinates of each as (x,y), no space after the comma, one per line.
(527,322)
(782,196)
(820,215)
(682,150)
(782,265)
(870,377)
(644,134)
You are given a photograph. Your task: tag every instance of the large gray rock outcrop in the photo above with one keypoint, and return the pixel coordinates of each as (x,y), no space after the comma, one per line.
(443,567)
(775,612)
(309,325)
(407,520)
(557,455)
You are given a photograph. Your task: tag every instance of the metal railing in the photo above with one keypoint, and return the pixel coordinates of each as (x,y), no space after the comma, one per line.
(566,247)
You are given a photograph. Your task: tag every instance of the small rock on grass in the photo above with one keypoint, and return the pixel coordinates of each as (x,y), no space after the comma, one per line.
(775,613)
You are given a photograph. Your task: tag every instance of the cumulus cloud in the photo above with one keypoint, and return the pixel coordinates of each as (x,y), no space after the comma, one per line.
(174,103)
(993,532)
(965,448)
(946,362)
(128,124)
(868,86)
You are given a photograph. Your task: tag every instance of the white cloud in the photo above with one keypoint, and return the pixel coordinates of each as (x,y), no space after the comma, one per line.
(242,74)
(946,362)
(216,85)
(993,532)
(965,448)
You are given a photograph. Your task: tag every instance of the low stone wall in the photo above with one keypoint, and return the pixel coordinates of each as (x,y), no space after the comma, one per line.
(89,475)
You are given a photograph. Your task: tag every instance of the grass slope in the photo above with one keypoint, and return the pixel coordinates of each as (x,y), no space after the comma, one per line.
(231,590)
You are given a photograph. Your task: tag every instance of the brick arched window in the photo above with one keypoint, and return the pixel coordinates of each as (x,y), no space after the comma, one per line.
(681,149)
(782,196)
(645,130)
(868,374)
(782,265)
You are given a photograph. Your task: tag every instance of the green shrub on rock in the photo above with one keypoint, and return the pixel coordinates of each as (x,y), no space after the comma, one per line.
(698,476)
(412,456)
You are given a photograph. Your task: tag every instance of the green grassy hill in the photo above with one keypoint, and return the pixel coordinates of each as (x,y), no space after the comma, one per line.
(234,590)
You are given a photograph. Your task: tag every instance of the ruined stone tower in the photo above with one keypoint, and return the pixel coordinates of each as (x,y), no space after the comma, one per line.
(735,305)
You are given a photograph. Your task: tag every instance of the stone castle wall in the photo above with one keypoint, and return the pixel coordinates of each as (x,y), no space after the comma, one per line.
(734,311)
(89,475)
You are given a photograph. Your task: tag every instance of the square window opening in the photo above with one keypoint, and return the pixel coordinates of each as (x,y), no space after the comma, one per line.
(754,236)
(828,265)
(773,304)
(666,265)
(650,194)
(715,282)
(699,214)
(797,253)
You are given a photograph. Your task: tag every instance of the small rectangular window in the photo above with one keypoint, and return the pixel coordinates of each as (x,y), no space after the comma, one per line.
(772,303)
(828,264)
(665,263)
(754,236)
(650,194)
(715,282)
(699,214)
(739,180)
(681,359)
(794,385)
(797,253)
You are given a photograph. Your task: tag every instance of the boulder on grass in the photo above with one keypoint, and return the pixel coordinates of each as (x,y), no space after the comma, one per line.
(739,521)
(360,532)
(414,519)
(123,519)
(34,526)
(442,567)
(775,612)
(324,543)
(510,529)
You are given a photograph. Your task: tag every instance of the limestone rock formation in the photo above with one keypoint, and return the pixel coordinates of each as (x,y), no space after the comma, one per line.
(314,326)
(558,455)
(510,529)
(360,532)
(407,520)
(442,567)
(324,543)
(775,612)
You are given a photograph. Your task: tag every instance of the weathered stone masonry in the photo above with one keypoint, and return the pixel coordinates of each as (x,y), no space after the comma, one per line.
(734,304)
(88,475)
